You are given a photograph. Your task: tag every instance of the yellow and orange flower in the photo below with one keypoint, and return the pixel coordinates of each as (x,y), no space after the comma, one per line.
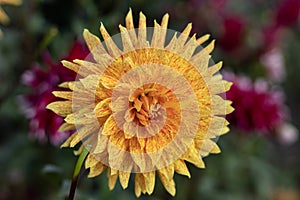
(146,102)
(3,16)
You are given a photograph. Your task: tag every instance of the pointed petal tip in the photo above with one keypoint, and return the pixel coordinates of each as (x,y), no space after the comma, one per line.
(85,31)
(63,62)
(207,36)
(166,15)
(101,25)
(63,146)
(50,105)
(141,13)
(129,14)
(122,28)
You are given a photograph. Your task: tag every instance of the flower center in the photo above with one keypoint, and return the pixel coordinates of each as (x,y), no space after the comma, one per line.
(145,104)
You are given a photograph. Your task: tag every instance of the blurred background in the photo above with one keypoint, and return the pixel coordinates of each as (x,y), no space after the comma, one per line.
(259,42)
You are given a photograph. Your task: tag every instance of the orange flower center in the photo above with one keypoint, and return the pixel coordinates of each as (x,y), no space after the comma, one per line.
(145,104)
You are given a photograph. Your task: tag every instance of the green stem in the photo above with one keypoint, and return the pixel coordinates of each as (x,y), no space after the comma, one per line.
(76,173)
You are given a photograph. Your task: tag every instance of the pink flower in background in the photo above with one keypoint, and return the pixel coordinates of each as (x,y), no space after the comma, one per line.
(273,61)
(287,134)
(44,124)
(257,107)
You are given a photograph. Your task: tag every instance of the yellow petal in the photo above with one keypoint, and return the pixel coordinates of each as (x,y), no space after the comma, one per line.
(77,138)
(83,133)
(66,127)
(113,171)
(78,151)
(101,144)
(72,66)
(110,126)
(218,105)
(164,21)
(155,41)
(62,108)
(184,36)
(138,184)
(181,168)
(219,87)
(189,48)
(124,179)
(214,69)
(172,46)
(200,60)
(139,159)
(127,44)
(149,178)
(229,108)
(168,183)
(142,25)
(63,94)
(208,147)
(210,47)
(68,85)
(80,117)
(90,82)
(90,67)
(112,48)
(129,20)
(93,42)
(102,109)
(91,161)
(112,179)
(159,33)
(142,32)
(130,27)
(203,39)
(96,170)
(187,30)
(116,149)
(68,141)
(216,149)
(192,156)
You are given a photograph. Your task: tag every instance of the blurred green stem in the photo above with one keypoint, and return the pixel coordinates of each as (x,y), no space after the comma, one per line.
(76,173)
(53,31)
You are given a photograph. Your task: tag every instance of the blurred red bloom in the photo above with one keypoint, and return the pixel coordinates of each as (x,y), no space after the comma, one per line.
(257,107)
(44,124)
(288,12)
(231,38)
(271,37)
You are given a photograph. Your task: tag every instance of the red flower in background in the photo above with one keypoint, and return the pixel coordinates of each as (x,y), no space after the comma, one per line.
(271,37)
(257,107)
(44,124)
(233,29)
(288,12)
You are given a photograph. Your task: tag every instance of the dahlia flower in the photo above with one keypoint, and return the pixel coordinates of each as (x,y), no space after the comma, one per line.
(257,106)
(148,104)
(44,124)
